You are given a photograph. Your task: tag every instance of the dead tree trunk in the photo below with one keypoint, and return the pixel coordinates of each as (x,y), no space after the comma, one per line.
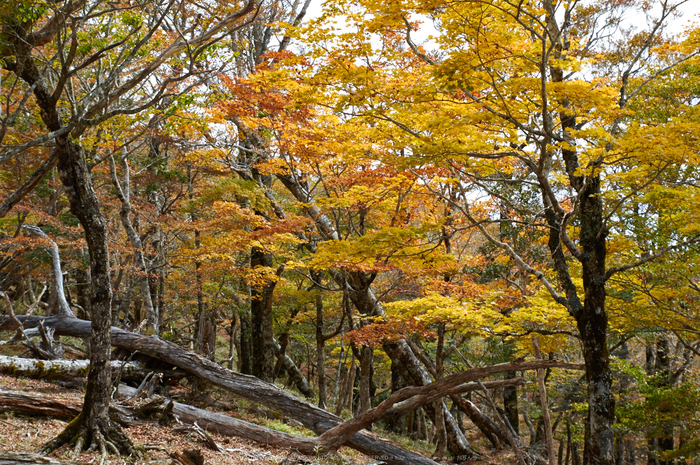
(296,377)
(62,369)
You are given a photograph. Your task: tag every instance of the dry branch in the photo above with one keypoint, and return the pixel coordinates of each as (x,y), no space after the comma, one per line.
(27,458)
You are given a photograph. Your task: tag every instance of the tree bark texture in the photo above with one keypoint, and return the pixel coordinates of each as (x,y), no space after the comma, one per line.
(593,325)
(261,318)
(28,458)
(510,404)
(62,369)
(76,179)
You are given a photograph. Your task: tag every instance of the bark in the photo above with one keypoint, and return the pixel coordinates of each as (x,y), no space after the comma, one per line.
(28,458)
(592,324)
(591,317)
(296,376)
(366,361)
(510,404)
(61,369)
(491,430)
(75,176)
(60,295)
(543,403)
(245,356)
(658,363)
(261,318)
(38,405)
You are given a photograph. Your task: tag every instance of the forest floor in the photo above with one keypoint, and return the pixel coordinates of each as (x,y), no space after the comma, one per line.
(155,443)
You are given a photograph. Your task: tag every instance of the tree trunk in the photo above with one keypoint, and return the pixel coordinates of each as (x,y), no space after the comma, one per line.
(491,430)
(321,352)
(510,404)
(658,363)
(365,378)
(296,377)
(591,317)
(124,195)
(592,324)
(245,355)
(547,424)
(261,318)
(75,176)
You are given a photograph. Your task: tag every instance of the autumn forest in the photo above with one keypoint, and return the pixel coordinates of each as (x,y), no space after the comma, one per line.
(428,231)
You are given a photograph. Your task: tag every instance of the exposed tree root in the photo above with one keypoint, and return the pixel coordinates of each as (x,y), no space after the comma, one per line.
(103,436)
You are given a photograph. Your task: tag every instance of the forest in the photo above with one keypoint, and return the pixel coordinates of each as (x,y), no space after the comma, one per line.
(428,231)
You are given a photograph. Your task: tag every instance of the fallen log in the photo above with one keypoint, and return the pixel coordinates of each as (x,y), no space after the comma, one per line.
(62,369)
(28,458)
(39,405)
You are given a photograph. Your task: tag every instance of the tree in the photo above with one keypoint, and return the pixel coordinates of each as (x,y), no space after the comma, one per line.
(534,94)
(84,63)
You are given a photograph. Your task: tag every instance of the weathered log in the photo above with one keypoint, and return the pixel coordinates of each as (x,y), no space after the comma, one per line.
(39,405)
(28,458)
(220,423)
(61,369)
